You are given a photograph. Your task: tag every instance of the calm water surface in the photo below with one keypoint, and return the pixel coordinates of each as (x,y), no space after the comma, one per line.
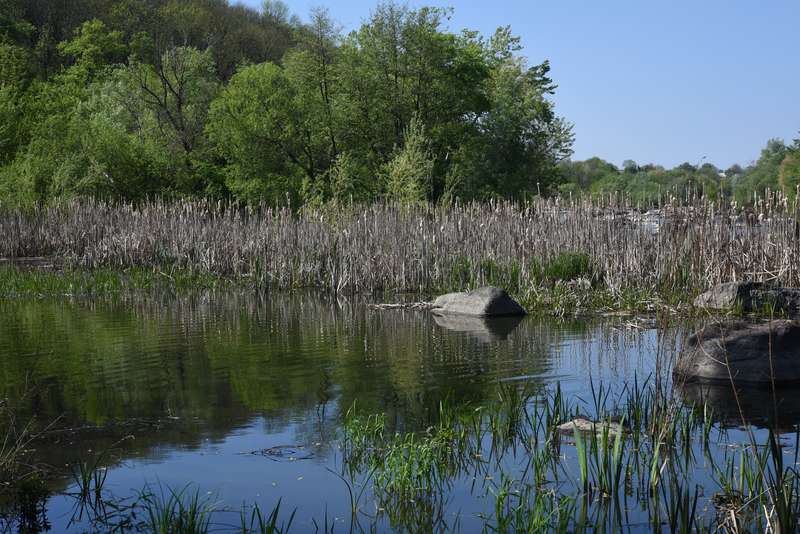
(184,390)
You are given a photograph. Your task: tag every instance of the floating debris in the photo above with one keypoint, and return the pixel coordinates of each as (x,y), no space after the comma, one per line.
(421,306)
(283,453)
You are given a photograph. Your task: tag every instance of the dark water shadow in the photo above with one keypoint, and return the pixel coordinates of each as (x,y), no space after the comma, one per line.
(759,405)
(486,329)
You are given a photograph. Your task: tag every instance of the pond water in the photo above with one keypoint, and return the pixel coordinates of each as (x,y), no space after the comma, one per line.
(240,397)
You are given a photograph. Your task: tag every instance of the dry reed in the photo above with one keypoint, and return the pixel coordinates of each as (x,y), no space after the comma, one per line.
(689,244)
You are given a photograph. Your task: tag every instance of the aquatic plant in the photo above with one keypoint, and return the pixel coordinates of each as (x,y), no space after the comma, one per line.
(668,255)
(257,523)
(170,511)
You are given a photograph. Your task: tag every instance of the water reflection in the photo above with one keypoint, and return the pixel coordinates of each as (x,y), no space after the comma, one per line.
(181,389)
(759,406)
(216,361)
(482,328)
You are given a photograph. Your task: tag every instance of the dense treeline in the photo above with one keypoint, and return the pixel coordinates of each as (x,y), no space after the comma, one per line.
(777,169)
(133,98)
(127,99)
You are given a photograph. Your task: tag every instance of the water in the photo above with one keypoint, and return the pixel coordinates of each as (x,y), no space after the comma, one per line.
(240,396)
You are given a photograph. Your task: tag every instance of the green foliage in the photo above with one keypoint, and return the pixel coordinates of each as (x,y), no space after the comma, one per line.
(14,64)
(253,123)
(350,181)
(98,100)
(10,117)
(95,46)
(789,173)
(566,266)
(409,173)
(764,174)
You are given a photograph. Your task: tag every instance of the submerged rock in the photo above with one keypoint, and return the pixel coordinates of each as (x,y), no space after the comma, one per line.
(759,353)
(750,296)
(481,302)
(587,426)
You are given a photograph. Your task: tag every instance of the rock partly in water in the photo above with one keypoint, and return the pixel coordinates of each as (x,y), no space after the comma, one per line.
(748,353)
(750,296)
(485,329)
(481,302)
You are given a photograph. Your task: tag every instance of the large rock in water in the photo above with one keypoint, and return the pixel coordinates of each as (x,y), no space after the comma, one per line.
(749,296)
(749,353)
(481,302)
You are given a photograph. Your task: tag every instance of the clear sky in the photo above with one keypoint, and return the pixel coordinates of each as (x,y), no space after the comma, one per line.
(655,81)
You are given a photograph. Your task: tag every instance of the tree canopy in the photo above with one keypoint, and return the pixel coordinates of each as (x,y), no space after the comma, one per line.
(127,99)
(132,98)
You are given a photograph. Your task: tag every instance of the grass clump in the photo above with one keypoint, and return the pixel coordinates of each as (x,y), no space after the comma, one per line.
(169,511)
(103,281)
(566,266)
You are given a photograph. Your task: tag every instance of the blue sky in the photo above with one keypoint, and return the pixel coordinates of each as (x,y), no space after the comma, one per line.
(655,81)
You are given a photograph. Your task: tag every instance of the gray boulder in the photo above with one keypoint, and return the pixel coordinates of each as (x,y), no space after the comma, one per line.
(749,353)
(481,302)
(750,296)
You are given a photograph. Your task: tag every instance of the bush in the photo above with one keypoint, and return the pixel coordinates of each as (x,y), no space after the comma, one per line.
(410,172)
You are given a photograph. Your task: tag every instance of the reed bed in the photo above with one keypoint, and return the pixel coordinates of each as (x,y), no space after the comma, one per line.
(689,244)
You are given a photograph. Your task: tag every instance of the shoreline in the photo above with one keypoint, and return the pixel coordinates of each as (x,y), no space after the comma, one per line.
(571,299)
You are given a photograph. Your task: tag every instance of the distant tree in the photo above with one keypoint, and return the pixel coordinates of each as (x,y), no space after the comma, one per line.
(176,93)
(587,172)
(764,173)
(734,170)
(789,172)
(629,166)
(276,11)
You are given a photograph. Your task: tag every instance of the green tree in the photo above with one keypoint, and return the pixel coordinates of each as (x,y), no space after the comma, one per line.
(409,174)
(169,102)
(585,173)
(523,140)
(313,72)
(763,174)
(256,128)
(94,47)
(789,171)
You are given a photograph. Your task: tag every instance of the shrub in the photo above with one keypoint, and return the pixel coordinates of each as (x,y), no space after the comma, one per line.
(409,173)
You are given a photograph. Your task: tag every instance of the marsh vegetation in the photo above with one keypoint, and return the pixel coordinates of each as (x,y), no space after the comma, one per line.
(554,254)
